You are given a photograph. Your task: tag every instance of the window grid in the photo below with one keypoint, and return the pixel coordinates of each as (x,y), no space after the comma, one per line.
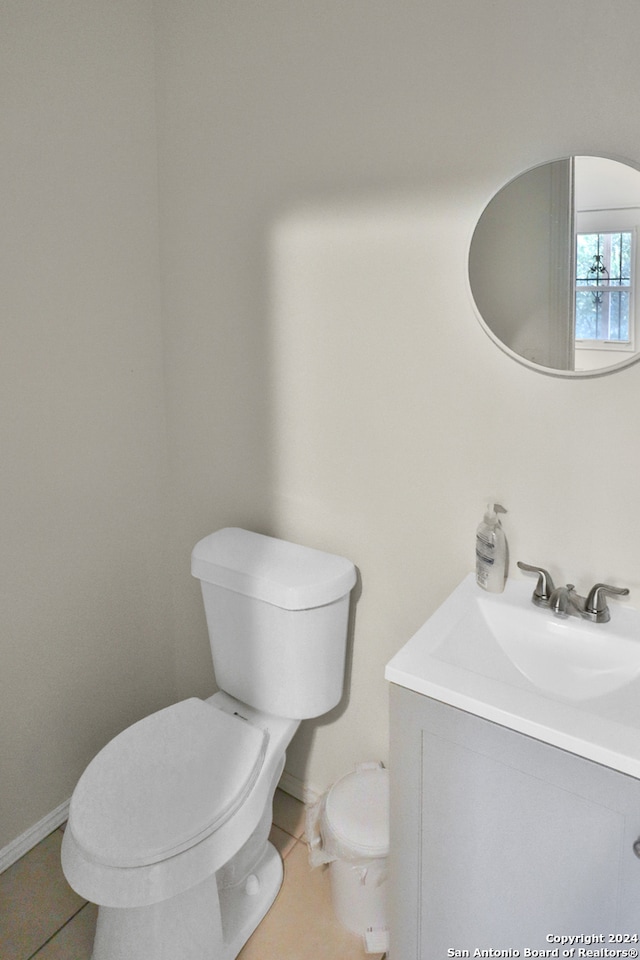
(603,286)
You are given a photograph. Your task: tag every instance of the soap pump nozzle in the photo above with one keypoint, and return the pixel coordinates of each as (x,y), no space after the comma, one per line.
(493,509)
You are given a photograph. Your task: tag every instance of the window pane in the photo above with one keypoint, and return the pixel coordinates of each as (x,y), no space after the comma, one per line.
(586,249)
(587,315)
(618,316)
(625,258)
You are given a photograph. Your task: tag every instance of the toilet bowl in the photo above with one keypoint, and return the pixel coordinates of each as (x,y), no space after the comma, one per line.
(168,825)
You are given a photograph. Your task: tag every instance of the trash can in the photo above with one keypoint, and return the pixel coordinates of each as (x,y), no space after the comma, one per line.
(349,829)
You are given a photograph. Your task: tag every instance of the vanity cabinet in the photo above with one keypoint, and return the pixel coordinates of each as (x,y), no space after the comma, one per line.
(500,841)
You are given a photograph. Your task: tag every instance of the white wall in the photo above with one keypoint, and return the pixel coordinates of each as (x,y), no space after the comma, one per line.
(84,629)
(322,169)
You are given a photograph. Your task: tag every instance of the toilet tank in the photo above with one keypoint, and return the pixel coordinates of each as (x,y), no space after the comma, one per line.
(277,615)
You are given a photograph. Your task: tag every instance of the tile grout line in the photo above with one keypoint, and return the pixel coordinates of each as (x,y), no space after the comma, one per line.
(55,934)
(288,832)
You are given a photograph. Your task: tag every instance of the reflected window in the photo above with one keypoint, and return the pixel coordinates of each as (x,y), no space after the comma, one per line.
(604,289)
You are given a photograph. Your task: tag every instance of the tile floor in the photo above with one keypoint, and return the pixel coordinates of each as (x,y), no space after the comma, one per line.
(40,916)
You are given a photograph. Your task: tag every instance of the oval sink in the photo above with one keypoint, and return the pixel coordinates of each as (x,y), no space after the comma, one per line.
(571,658)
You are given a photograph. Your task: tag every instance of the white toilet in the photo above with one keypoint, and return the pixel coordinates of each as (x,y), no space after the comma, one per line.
(168,825)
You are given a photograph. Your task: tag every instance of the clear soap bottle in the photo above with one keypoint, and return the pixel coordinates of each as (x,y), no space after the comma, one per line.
(491,551)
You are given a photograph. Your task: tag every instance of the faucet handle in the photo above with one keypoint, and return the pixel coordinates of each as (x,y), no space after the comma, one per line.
(544,588)
(596,605)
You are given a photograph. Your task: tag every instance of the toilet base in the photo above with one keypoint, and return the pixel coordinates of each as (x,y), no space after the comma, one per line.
(200,924)
(244,907)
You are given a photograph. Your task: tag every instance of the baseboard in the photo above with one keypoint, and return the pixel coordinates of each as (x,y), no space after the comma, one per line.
(31,837)
(299,789)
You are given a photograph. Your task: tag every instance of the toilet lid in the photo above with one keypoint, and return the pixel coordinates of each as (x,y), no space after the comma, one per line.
(165,783)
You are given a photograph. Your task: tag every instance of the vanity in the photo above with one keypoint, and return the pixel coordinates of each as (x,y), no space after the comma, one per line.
(515,787)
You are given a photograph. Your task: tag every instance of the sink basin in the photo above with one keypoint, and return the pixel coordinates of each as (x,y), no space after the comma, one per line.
(571,658)
(568,682)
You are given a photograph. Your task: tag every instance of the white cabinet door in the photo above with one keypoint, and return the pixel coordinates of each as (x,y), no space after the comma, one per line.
(500,841)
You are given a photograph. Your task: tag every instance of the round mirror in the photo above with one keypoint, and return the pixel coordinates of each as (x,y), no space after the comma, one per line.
(554,267)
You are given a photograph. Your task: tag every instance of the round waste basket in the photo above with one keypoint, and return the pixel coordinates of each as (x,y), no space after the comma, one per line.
(355,824)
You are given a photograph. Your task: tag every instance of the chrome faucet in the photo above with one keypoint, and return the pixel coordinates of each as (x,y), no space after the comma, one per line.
(565,602)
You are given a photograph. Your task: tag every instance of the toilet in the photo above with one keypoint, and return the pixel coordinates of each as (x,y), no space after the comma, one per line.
(168,825)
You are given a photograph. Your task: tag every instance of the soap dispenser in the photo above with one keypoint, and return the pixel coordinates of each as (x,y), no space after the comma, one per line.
(491,551)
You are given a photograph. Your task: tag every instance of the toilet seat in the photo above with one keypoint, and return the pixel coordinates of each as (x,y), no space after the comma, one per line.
(165,784)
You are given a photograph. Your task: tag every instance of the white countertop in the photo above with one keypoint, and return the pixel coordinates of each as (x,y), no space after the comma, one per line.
(455,659)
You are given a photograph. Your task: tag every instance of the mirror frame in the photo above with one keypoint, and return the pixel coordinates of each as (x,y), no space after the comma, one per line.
(523,361)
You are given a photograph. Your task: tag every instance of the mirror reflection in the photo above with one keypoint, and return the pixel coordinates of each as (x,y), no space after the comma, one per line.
(554,266)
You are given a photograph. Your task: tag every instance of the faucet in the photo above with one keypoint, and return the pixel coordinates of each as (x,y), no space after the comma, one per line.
(565,602)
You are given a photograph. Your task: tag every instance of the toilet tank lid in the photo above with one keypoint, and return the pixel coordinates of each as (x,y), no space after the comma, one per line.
(284,574)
